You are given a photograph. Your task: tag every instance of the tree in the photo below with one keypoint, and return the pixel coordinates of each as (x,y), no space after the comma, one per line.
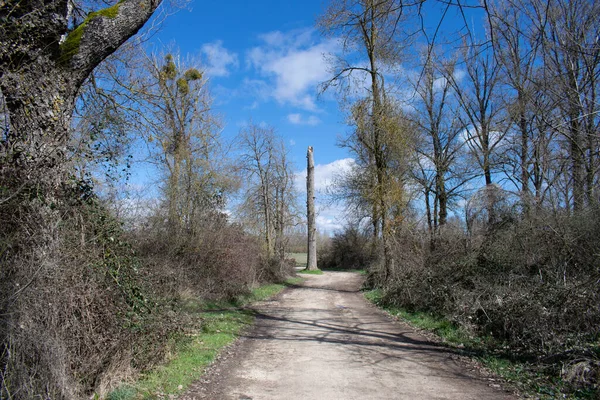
(550,63)
(479,109)
(371,29)
(183,137)
(269,197)
(44,60)
(516,47)
(571,55)
(438,148)
(310,212)
(43,63)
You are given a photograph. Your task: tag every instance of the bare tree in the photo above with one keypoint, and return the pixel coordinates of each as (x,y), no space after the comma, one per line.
(438,151)
(182,134)
(310,212)
(571,57)
(372,29)
(480,109)
(269,197)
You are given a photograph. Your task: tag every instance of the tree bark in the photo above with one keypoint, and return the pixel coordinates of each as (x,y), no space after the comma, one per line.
(42,67)
(310,206)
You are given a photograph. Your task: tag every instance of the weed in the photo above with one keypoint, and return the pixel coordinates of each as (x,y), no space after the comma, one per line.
(123,392)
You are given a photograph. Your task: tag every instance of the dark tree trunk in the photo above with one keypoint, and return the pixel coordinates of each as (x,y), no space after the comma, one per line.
(42,67)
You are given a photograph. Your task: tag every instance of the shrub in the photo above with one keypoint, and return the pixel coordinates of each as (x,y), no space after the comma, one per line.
(72,306)
(528,280)
(349,249)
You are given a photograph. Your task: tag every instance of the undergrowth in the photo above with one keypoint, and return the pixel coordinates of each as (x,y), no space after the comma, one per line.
(524,374)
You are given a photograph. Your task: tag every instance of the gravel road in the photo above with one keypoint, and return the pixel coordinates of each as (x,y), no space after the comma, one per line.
(323,340)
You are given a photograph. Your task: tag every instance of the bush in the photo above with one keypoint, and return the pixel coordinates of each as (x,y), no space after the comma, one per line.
(349,249)
(83,303)
(218,261)
(72,306)
(529,281)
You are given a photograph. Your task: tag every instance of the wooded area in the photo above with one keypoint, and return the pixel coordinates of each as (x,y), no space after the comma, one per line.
(475,197)
(474,194)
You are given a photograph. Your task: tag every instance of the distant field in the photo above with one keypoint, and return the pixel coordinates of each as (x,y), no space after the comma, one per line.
(301,258)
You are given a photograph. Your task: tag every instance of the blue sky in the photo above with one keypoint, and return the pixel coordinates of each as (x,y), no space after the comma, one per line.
(265,60)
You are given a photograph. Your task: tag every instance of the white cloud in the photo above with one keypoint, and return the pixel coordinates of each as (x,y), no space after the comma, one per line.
(330,217)
(295,118)
(255,88)
(325,174)
(292,142)
(459,74)
(312,120)
(220,60)
(329,223)
(298,119)
(295,63)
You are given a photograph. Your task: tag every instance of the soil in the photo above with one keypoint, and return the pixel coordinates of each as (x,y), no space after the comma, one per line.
(323,340)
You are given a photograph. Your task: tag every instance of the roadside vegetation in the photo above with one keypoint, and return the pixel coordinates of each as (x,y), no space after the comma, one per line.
(212,326)
(521,373)
(531,326)
(475,197)
(100,284)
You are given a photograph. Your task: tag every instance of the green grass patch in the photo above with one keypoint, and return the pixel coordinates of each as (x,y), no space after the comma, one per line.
(266,291)
(295,281)
(450,332)
(193,353)
(311,272)
(221,323)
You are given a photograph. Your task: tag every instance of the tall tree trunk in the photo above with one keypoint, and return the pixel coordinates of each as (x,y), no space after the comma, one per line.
(524,151)
(310,211)
(380,163)
(42,67)
(175,222)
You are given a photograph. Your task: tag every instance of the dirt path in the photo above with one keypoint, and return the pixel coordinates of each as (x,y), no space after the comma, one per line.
(322,340)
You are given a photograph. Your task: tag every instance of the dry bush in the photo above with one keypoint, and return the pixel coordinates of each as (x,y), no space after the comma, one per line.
(529,280)
(349,249)
(218,261)
(71,303)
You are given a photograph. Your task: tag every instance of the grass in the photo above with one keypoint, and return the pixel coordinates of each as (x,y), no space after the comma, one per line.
(489,352)
(221,324)
(448,331)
